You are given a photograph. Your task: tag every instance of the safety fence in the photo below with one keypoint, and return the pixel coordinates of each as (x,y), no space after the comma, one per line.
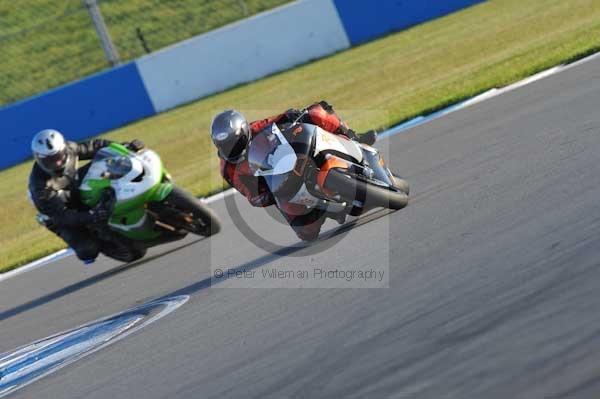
(47,43)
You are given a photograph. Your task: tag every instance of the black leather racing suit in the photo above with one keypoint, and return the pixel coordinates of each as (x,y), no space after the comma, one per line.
(57,197)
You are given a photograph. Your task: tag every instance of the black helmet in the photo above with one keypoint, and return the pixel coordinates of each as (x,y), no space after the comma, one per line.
(50,151)
(231,134)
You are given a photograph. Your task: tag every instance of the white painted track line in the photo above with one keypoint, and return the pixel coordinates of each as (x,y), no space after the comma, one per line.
(63,253)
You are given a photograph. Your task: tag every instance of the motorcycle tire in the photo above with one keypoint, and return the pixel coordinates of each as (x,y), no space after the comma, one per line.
(205,221)
(401,184)
(371,195)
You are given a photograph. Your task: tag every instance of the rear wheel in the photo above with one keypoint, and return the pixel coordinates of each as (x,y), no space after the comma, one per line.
(371,195)
(191,214)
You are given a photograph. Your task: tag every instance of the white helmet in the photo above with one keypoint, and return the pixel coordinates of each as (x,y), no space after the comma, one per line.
(50,151)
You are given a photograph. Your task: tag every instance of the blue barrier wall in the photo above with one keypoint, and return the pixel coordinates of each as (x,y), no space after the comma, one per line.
(364,20)
(81,109)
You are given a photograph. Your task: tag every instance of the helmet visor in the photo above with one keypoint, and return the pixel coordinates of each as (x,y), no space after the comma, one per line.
(232,150)
(53,163)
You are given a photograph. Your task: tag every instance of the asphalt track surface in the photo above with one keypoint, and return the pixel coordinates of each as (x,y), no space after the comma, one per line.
(493,285)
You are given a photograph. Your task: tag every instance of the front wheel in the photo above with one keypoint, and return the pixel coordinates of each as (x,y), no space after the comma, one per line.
(370,195)
(191,214)
(401,184)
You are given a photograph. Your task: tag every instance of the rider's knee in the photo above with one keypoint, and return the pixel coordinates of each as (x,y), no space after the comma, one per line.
(87,250)
(124,251)
(308,227)
(307,233)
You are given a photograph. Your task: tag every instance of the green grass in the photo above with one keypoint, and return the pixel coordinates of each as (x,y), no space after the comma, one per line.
(46,43)
(375,85)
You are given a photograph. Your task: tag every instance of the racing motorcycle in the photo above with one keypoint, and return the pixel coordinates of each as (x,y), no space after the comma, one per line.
(305,165)
(146,208)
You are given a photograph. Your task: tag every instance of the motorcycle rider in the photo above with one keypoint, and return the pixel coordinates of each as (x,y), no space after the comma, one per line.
(53,188)
(231,134)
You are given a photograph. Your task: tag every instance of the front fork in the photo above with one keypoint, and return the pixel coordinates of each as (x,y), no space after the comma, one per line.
(375,163)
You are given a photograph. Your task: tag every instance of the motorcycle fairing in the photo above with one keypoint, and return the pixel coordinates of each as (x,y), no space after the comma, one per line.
(272,157)
(135,178)
(326,142)
(276,156)
(304,197)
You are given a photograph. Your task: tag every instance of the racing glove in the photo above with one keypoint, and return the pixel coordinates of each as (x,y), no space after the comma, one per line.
(99,216)
(102,211)
(135,145)
(326,106)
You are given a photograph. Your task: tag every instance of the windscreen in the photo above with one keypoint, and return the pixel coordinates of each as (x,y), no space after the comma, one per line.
(270,153)
(116,166)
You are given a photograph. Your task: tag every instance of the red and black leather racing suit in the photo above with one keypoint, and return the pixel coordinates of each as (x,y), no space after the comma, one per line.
(306,225)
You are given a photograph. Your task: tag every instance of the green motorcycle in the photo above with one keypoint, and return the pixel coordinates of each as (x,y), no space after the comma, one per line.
(146,208)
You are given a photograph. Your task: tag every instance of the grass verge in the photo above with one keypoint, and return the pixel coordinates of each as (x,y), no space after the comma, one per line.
(46,43)
(405,74)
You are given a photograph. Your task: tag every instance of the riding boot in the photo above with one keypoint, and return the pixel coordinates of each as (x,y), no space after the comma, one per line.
(368,137)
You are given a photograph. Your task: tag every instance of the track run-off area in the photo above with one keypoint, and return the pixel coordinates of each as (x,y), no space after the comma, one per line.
(490,286)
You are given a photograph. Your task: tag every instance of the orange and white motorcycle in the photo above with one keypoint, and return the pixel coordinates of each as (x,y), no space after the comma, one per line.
(306,165)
